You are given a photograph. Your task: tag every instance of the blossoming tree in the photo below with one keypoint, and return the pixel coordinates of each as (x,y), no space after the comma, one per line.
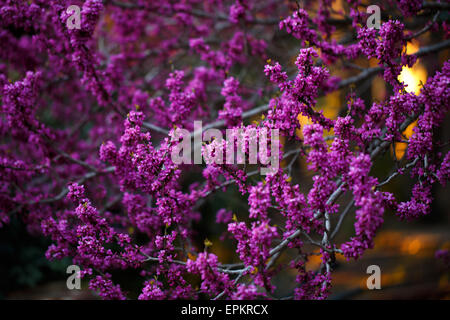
(88,116)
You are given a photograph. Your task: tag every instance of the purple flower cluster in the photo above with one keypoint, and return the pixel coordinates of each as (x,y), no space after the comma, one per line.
(387,46)
(232,109)
(88,120)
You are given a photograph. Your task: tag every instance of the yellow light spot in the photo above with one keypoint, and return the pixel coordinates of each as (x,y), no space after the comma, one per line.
(304,120)
(417,75)
(413,78)
(400,147)
(412,47)
(208,243)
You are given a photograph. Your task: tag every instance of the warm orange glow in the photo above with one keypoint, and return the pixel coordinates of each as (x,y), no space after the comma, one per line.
(330,110)
(338,7)
(304,120)
(414,246)
(415,76)
(314,261)
(400,147)
(422,244)
(332,105)
(412,47)
(393,278)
